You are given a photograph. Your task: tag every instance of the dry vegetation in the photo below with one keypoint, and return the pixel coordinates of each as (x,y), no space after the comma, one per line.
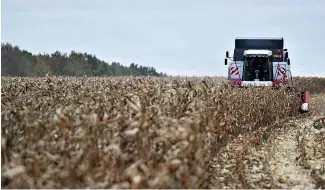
(68,132)
(313,85)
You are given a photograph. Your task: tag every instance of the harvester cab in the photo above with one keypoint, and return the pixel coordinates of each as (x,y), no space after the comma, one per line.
(261,62)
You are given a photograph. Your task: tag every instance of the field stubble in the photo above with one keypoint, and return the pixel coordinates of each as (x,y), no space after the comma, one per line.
(69,132)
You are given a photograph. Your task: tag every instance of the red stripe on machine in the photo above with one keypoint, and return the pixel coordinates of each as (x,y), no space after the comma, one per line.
(234,70)
(282,71)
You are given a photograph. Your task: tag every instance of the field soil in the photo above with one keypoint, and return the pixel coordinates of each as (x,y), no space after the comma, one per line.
(292,156)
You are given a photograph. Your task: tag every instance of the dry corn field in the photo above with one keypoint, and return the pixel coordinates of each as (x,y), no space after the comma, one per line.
(122,132)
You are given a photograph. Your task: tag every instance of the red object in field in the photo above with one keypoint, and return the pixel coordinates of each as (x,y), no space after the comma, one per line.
(305,97)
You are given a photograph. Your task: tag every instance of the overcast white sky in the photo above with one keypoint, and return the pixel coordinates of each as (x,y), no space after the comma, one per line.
(186,37)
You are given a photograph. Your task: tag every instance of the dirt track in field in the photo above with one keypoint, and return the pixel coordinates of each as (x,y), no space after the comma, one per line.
(287,157)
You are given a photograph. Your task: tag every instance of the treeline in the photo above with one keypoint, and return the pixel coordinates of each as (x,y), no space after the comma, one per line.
(17,62)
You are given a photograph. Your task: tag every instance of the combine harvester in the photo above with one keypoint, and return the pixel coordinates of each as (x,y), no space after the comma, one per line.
(262,62)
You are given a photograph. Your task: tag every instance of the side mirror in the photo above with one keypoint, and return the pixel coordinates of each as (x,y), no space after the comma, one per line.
(288,61)
(286,55)
(227,54)
(285,50)
(226,61)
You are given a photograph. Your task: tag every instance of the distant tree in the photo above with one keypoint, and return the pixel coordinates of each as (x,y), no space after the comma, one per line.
(17,62)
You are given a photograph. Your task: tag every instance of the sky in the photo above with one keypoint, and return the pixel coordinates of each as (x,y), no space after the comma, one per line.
(183,37)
